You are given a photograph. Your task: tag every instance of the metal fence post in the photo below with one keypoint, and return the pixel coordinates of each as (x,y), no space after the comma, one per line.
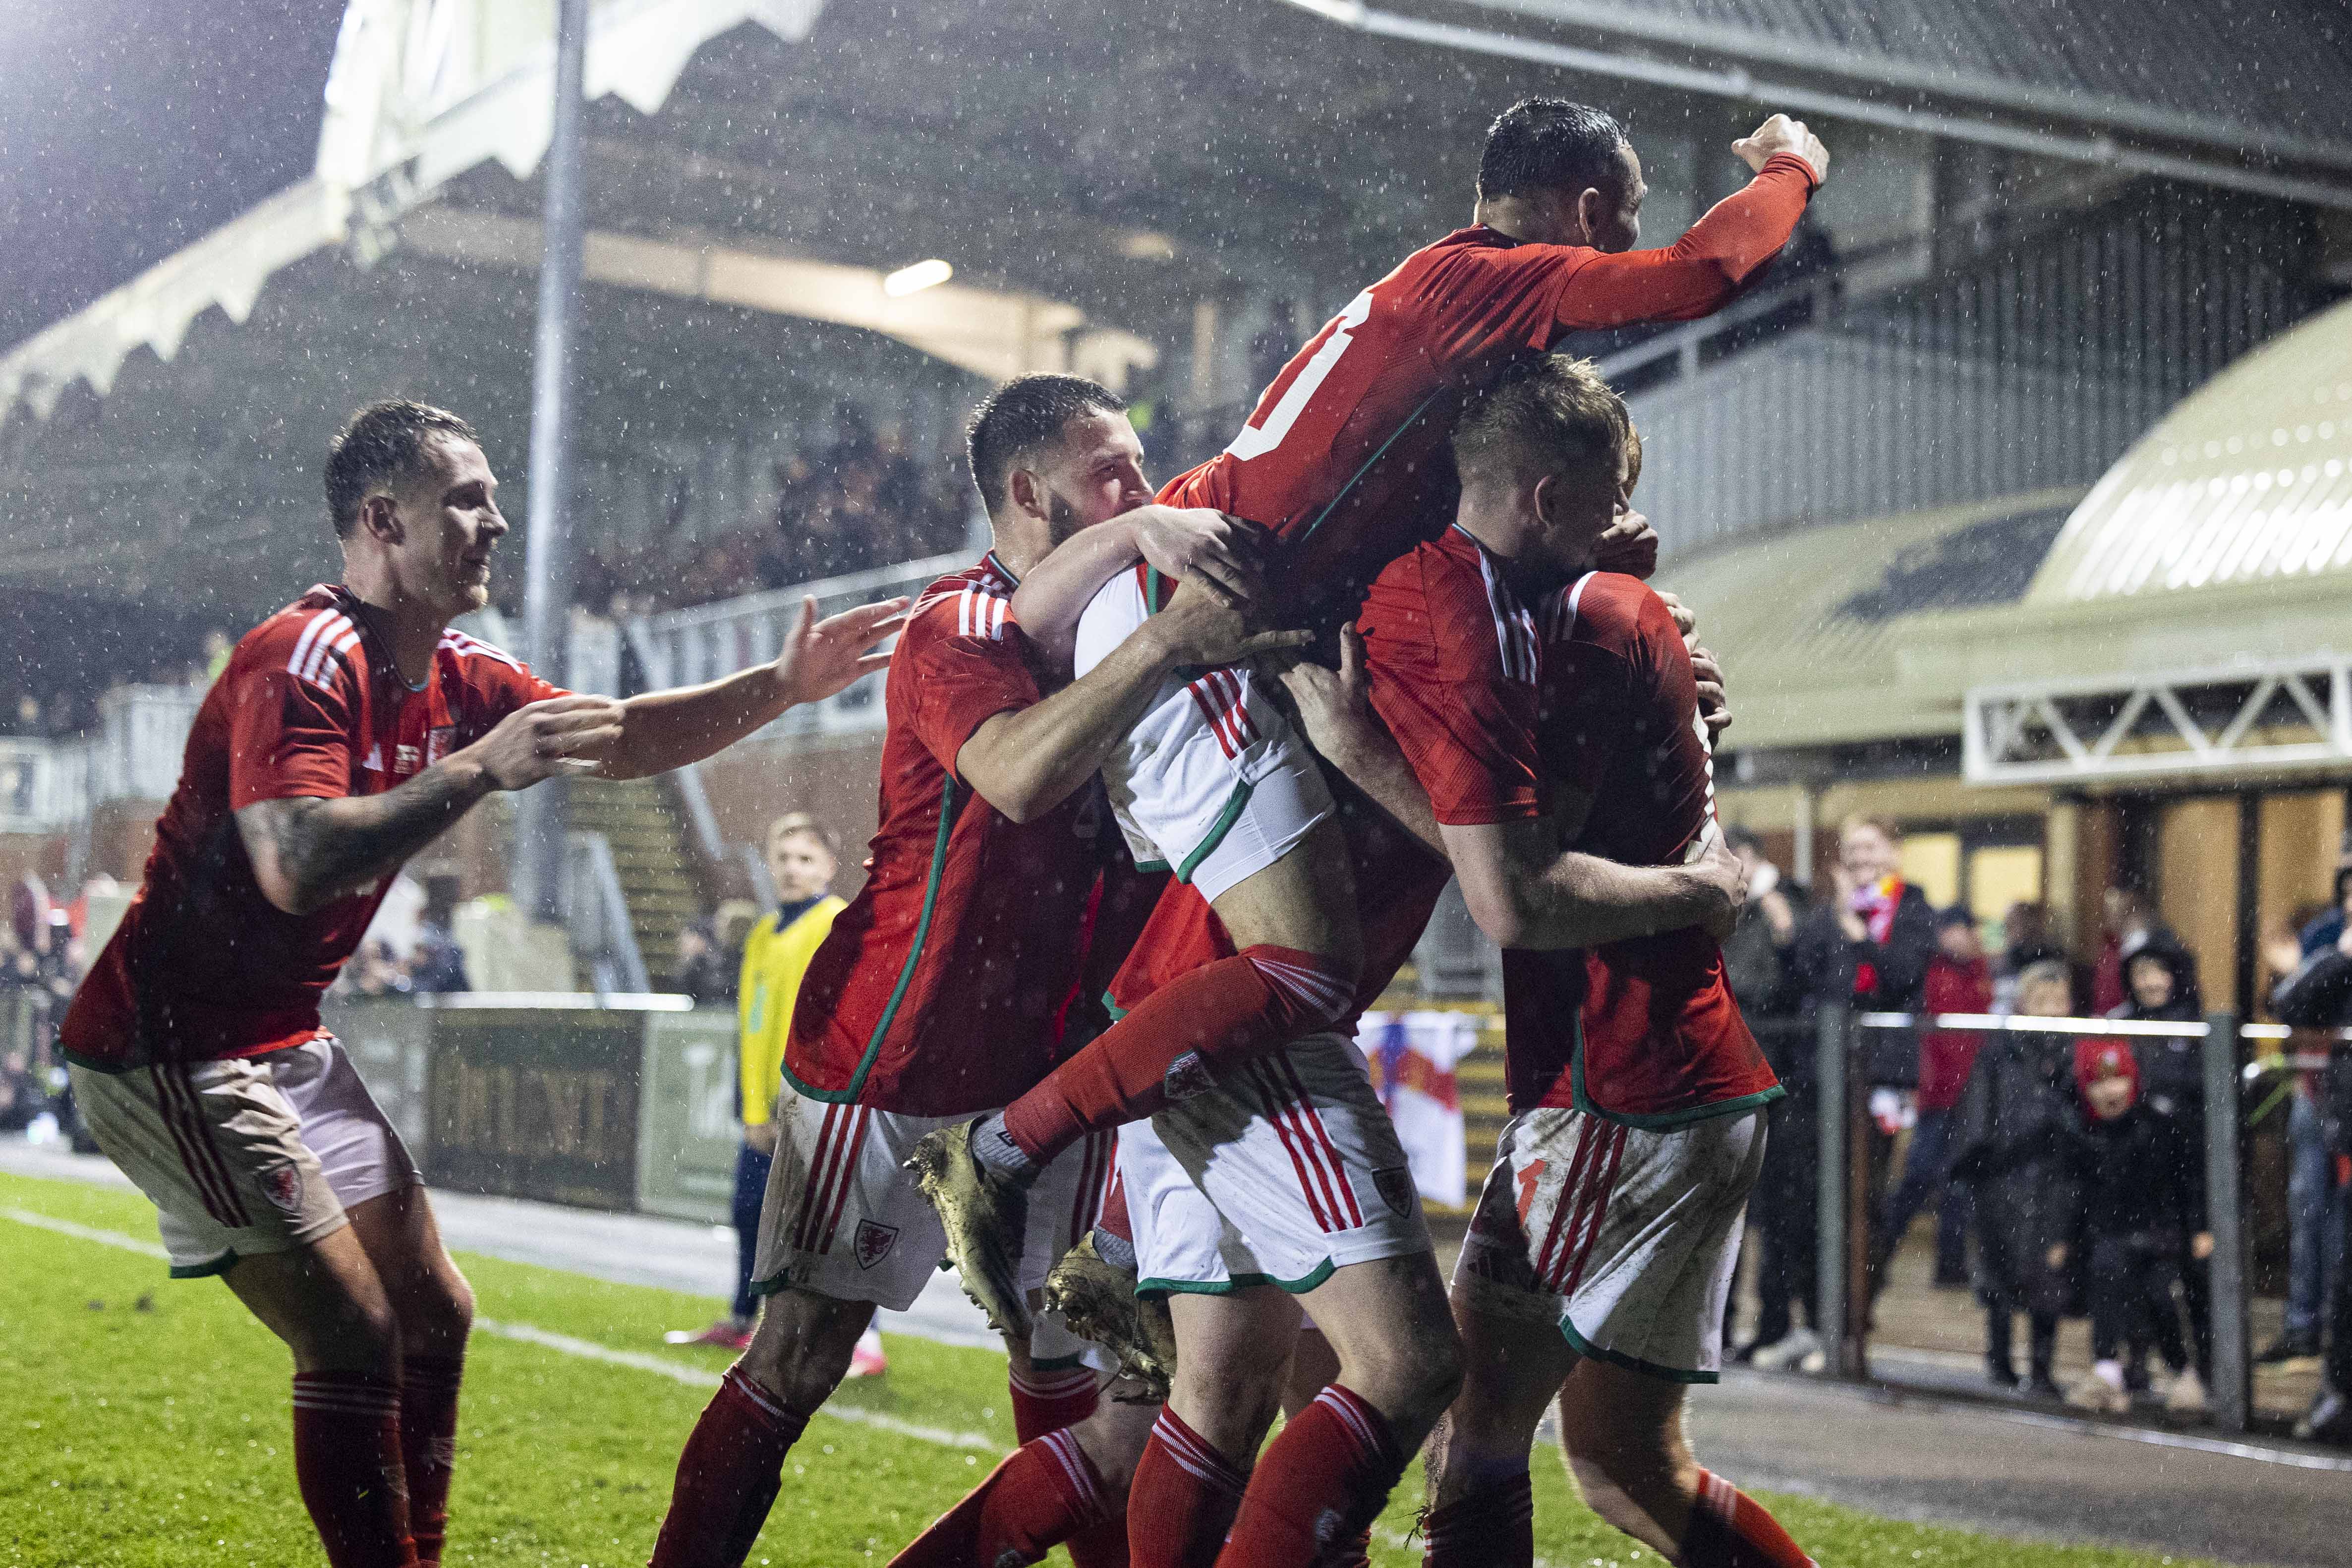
(1831,1028)
(2232,1390)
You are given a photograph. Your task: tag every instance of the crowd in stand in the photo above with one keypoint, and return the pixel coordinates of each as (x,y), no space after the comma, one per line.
(42,957)
(858,503)
(2066,1170)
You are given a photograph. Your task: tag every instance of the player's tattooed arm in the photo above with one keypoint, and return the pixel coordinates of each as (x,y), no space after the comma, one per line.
(1183,543)
(1334,711)
(1526,893)
(308,851)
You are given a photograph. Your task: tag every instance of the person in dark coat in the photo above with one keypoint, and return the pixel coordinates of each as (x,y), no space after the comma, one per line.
(2318,995)
(2161,984)
(2017,1127)
(1867,943)
(2141,1213)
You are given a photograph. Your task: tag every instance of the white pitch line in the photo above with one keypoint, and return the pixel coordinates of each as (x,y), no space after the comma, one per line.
(586,1349)
(698,1377)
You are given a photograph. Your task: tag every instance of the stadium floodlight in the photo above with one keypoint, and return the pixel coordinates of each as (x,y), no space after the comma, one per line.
(920,276)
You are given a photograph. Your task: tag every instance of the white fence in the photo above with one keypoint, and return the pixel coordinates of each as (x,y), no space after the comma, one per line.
(49,785)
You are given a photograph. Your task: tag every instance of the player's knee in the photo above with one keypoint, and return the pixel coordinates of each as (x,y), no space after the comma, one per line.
(361,1333)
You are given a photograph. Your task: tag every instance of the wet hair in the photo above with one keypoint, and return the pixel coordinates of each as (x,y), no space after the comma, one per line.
(381,444)
(1550,144)
(1024,414)
(793,822)
(1555,412)
(1633,457)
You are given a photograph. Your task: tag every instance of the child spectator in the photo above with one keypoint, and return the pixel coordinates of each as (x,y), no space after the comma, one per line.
(2017,1126)
(2138,1215)
(2161,986)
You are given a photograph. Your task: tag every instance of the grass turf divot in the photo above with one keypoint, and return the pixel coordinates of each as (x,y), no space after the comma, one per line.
(143,1423)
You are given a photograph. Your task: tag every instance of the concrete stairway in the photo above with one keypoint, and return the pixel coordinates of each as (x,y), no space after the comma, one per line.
(652,854)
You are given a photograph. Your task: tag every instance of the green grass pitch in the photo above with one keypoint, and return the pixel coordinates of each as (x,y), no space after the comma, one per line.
(144,1423)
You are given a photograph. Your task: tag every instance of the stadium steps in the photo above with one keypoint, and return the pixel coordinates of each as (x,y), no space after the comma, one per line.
(652,856)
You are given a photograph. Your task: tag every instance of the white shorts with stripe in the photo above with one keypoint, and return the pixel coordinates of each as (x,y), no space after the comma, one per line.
(1285,1170)
(258,1154)
(841,1218)
(1625,1236)
(1212,782)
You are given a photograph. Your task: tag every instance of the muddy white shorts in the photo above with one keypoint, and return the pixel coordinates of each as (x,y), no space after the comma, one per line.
(1625,1238)
(258,1154)
(1285,1170)
(1212,782)
(842,1218)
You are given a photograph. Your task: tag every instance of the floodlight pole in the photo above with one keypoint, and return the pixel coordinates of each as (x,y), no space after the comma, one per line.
(547,571)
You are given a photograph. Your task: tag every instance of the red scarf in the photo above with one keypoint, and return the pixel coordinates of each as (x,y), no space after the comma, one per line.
(1875,903)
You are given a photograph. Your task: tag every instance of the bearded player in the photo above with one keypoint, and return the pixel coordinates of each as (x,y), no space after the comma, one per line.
(940,991)
(347,731)
(1344,459)
(1602,1247)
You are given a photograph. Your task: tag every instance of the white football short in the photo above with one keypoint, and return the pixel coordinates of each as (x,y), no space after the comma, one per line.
(1212,782)
(1283,1171)
(1625,1238)
(843,1218)
(256,1154)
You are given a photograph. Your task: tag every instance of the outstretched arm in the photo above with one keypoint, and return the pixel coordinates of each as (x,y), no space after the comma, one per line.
(664,729)
(1525,893)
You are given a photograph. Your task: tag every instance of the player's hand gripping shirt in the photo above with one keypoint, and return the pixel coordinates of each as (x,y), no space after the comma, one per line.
(1344,456)
(1493,706)
(203,966)
(940,989)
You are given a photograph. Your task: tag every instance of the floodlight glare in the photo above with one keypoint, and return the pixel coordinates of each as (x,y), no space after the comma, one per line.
(920,276)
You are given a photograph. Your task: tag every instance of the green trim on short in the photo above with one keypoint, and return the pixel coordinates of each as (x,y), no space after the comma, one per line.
(1299,1286)
(221,1265)
(1113,1008)
(1665,1120)
(1217,831)
(1152,865)
(948,806)
(1585,1347)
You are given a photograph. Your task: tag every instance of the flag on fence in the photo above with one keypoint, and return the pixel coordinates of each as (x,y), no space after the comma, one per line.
(1412,1057)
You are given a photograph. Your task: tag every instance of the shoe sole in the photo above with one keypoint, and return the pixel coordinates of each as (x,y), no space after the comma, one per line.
(975,1220)
(1098,1304)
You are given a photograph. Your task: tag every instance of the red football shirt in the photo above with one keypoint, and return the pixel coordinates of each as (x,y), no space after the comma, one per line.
(1661,1041)
(940,989)
(1345,453)
(203,966)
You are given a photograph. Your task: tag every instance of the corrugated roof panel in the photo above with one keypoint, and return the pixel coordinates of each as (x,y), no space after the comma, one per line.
(2249,480)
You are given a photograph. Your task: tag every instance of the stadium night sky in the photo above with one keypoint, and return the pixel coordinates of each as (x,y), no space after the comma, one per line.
(129,128)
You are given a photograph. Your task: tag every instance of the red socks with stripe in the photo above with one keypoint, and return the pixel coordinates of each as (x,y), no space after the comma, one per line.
(1048,1399)
(1183,1498)
(1323,1481)
(1257,1000)
(1491,1526)
(1045,1493)
(347,1462)
(1728,1528)
(728,1477)
(428,1444)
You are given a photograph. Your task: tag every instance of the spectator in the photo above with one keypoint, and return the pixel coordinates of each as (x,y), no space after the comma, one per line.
(801,862)
(702,971)
(1867,946)
(1959,981)
(2139,1216)
(218,645)
(2160,976)
(2014,1137)
(2128,922)
(2318,995)
(2315,1228)
(1757,959)
(2026,940)
(438,965)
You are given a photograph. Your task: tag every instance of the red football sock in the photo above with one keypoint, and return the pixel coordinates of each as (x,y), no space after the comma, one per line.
(428,1444)
(1112,1216)
(1047,1400)
(728,1477)
(1045,1493)
(1259,1000)
(1101,1545)
(1183,1498)
(1325,1477)
(1491,1526)
(1728,1528)
(347,1462)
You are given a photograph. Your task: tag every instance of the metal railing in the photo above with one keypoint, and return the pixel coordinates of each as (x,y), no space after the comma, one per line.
(597,913)
(1848,1202)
